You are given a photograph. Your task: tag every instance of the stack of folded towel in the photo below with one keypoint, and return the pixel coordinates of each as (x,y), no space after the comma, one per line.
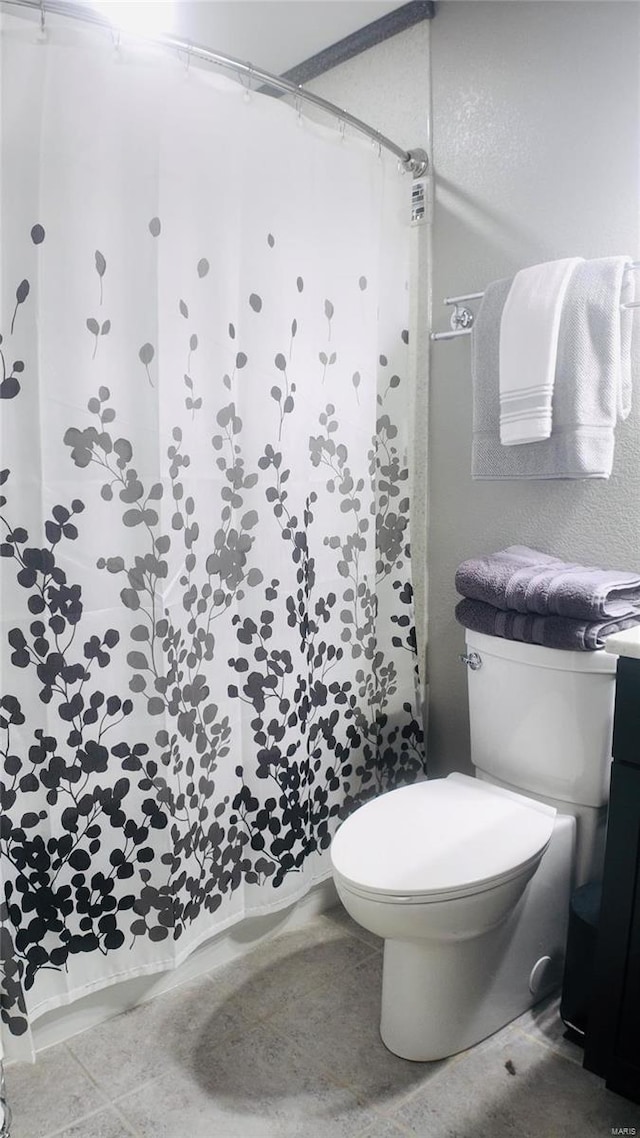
(523,594)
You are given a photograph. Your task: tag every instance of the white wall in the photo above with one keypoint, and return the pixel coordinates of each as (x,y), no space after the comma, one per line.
(536,144)
(536,148)
(275,35)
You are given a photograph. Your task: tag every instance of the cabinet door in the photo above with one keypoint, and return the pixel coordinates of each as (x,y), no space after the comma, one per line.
(613,1037)
(628,1041)
(626,723)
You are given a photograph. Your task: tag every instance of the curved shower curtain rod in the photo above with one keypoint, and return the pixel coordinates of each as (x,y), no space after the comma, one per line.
(414,162)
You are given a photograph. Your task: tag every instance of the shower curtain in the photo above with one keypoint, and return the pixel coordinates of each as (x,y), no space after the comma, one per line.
(207,645)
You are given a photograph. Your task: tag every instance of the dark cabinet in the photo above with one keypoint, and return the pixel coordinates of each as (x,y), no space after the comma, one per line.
(612,1045)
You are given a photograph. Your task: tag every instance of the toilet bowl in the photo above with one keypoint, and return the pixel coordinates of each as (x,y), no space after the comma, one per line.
(438,870)
(447,858)
(468,880)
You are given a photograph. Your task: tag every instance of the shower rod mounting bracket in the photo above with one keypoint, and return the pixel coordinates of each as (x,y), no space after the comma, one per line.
(416,162)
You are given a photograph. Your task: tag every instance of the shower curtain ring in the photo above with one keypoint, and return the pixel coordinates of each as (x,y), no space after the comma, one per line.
(247,83)
(41,37)
(187,62)
(299,110)
(342,127)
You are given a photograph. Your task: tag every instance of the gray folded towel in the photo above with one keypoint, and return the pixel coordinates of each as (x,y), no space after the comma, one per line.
(592,389)
(528,581)
(547,631)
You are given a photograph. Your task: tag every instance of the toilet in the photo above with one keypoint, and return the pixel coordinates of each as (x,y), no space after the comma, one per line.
(468,879)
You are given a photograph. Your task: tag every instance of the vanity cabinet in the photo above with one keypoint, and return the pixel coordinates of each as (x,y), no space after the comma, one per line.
(612,1044)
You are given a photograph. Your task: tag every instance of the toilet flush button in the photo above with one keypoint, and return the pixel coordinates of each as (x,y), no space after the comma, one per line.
(540,974)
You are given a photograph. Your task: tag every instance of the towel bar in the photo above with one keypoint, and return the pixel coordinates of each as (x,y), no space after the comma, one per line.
(462,317)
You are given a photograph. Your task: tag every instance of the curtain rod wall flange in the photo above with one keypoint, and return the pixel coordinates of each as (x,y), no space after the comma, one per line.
(415,162)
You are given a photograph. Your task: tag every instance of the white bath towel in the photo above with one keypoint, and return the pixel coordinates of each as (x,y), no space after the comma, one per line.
(528,349)
(592,392)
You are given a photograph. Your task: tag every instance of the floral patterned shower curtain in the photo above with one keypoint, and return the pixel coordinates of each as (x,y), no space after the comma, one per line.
(207,648)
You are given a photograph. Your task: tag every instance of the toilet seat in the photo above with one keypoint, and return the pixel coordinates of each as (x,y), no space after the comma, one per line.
(440,840)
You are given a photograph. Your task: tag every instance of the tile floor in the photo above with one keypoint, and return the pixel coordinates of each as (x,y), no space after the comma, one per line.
(284,1043)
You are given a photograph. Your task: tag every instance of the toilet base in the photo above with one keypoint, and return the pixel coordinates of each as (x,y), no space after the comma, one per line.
(439,998)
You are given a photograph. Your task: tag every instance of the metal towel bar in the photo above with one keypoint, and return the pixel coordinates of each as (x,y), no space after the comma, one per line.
(462,318)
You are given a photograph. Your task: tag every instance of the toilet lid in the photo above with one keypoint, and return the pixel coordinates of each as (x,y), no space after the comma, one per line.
(448,835)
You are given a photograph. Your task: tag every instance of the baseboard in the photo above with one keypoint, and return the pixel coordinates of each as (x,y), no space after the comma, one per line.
(64,1022)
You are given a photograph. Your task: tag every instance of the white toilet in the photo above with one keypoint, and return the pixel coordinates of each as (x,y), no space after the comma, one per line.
(469,879)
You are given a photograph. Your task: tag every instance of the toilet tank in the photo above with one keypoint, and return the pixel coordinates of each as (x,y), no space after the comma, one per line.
(542,719)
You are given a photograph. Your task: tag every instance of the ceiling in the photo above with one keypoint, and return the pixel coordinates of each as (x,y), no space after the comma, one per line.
(275,35)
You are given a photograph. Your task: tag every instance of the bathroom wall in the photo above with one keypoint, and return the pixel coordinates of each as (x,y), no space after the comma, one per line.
(536,146)
(536,142)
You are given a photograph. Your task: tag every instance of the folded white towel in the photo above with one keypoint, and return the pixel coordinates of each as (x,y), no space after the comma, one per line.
(528,348)
(592,392)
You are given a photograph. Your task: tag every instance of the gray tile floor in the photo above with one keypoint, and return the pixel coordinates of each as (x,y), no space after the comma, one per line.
(284,1043)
